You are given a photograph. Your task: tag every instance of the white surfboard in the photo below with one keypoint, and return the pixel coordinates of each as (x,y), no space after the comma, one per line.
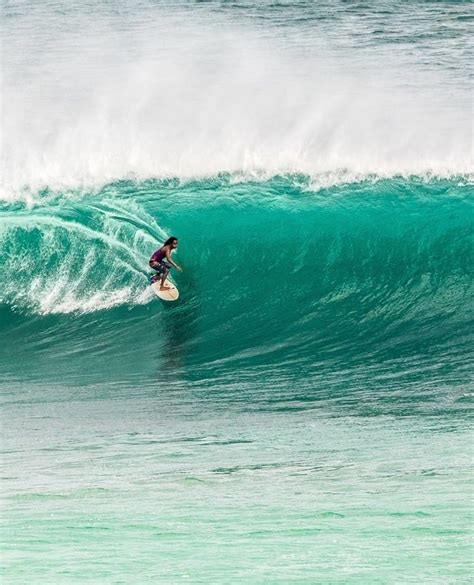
(171,294)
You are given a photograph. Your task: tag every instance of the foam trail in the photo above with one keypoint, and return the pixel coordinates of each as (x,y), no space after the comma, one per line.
(84,260)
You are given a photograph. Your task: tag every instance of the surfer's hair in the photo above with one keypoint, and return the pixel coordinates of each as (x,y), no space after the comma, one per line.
(169,241)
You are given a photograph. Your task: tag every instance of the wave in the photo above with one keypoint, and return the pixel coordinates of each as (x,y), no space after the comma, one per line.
(273,270)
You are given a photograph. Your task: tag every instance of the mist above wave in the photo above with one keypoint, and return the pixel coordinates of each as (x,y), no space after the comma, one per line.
(153,94)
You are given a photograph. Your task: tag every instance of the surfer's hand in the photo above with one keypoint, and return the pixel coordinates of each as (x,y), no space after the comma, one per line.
(179,269)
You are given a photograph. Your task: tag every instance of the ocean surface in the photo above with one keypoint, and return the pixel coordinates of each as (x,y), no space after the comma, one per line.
(302,415)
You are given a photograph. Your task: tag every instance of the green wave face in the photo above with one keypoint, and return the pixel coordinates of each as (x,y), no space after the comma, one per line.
(279,282)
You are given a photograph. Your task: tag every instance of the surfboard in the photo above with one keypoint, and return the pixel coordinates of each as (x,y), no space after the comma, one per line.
(171,294)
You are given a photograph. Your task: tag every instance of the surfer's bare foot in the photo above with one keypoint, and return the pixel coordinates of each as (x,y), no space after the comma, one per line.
(163,287)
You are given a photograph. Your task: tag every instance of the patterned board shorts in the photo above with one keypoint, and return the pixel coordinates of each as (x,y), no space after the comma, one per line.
(160,267)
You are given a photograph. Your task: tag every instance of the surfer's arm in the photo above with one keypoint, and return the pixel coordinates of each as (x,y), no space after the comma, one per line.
(168,257)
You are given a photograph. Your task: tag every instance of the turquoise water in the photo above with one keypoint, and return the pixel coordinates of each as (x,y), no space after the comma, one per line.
(302,413)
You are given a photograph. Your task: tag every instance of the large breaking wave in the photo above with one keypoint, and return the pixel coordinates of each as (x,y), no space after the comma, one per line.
(271,268)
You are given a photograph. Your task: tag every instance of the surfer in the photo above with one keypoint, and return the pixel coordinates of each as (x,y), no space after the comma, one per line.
(162,266)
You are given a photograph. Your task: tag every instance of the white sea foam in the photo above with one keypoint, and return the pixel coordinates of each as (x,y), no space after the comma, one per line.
(156,95)
(55,265)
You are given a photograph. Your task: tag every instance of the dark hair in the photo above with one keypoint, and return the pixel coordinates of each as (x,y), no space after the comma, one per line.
(170,241)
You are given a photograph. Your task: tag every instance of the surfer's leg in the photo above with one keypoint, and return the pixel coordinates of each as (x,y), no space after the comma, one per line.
(163,279)
(162,270)
(154,277)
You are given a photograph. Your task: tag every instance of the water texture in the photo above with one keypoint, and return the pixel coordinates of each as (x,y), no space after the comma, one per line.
(302,413)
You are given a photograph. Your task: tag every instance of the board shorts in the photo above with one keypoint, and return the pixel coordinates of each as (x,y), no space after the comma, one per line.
(160,267)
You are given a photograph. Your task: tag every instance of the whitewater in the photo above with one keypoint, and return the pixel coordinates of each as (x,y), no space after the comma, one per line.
(302,413)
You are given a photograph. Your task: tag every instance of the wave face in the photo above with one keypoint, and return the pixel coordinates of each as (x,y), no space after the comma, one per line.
(278,277)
